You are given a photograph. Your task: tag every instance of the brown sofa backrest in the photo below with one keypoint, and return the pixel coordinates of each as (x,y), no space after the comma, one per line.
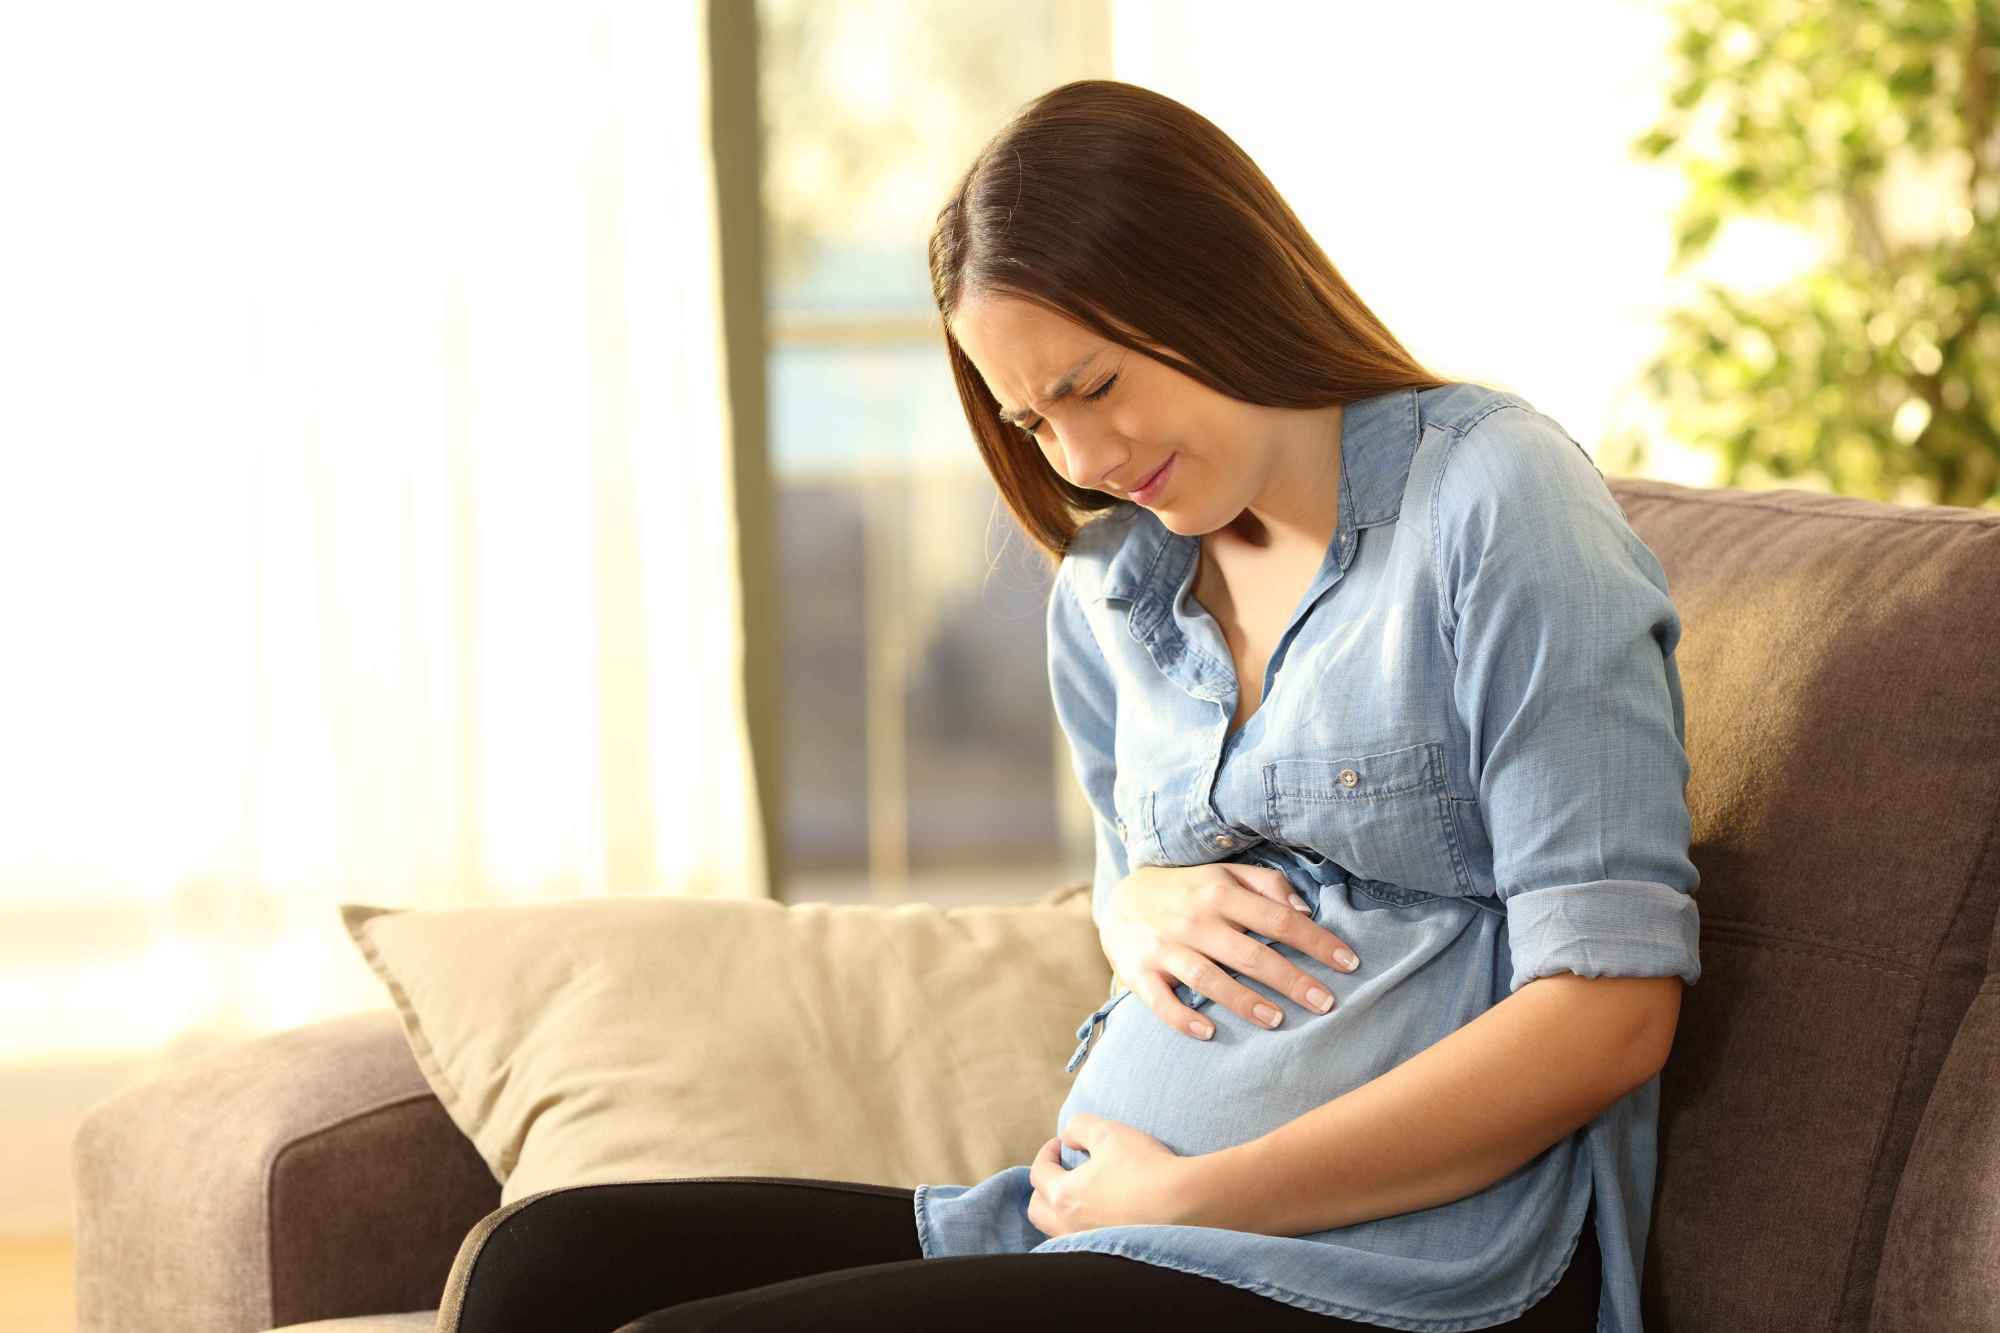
(1829,1138)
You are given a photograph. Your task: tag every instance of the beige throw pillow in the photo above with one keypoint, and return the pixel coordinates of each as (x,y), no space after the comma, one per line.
(635,1038)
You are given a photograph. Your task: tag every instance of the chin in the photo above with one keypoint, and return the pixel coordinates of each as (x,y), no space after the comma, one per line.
(1189,525)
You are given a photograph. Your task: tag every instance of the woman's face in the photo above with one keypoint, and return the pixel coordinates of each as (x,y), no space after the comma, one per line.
(1126,414)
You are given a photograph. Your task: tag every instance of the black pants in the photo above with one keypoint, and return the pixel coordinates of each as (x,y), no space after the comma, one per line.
(768,1252)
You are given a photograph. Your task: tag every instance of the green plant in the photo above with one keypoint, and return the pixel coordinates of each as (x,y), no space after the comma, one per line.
(1876,373)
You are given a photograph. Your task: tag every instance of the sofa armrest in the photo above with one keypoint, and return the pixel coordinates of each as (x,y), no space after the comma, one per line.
(307,1174)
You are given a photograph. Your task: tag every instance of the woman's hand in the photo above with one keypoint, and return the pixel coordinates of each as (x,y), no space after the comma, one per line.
(1131,1179)
(1186,923)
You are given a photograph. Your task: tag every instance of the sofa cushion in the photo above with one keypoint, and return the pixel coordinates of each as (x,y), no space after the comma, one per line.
(647,1037)
(1844,738)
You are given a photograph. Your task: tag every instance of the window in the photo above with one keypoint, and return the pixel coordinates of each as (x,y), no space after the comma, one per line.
(921,759)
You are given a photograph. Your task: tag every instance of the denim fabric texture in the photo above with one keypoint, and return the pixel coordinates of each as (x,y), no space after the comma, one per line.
(1469,759)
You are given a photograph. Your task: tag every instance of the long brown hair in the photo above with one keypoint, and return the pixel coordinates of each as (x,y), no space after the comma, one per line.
(1131,214)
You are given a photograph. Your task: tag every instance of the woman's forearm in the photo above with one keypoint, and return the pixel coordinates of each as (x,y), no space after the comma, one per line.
(1457,1116)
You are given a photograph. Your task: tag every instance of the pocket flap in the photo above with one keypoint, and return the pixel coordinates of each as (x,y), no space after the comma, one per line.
(1358,777)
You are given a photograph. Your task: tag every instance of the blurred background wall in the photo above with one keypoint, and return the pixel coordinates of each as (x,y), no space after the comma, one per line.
(462,455)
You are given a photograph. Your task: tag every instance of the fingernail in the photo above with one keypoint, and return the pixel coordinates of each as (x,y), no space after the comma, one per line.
(1266,1015)
(1348,962)
(1300,903)
(1318,999)
(1203,1028)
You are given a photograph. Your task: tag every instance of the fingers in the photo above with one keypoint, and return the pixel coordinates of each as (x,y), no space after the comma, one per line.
(1289,926)
(1047,1167)
(1200,974)
(1299,930)
(1262,880)
(1237,952)
(1043,1173)
(1215,942)
(1207,943)
(1160,998)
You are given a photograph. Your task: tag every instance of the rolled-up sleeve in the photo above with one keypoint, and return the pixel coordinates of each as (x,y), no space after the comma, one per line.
(1082,689)
(1563,637)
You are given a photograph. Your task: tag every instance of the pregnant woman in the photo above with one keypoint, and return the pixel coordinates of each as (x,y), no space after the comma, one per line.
(1345,632)
(1371,690)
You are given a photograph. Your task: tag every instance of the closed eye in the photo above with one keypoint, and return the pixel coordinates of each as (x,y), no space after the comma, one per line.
(1094,395)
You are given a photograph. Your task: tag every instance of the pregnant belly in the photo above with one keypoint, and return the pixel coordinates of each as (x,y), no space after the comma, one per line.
(1198,1096)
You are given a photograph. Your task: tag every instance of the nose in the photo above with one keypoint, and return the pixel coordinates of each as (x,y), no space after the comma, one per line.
(1089,456)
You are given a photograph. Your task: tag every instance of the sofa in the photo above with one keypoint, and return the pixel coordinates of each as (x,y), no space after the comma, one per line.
(1830,1114)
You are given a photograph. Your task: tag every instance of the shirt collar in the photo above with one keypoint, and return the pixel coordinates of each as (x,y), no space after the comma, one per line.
(1378,438)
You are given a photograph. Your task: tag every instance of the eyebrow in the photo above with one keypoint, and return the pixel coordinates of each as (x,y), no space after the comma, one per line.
(1061,389)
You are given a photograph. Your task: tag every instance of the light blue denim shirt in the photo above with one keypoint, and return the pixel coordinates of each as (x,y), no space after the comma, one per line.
(1469,760)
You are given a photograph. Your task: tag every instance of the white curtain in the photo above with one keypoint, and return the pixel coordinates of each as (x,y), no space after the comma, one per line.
(366,526)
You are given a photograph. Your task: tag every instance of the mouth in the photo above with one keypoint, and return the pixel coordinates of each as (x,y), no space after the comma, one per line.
(1150,489)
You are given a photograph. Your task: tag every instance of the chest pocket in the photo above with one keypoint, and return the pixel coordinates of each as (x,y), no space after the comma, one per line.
(1385,817)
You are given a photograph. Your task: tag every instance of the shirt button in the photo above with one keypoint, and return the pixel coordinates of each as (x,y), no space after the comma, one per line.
(1224,840)
(1348,777)
(1121,830)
